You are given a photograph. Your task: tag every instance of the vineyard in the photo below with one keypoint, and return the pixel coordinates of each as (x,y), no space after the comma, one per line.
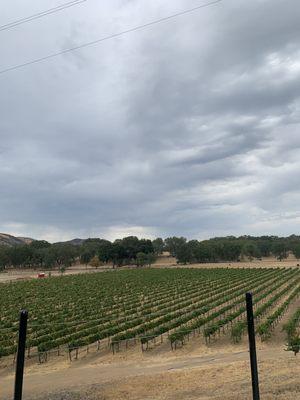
(146,306)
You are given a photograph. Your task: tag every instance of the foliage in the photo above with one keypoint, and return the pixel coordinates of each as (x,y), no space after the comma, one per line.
(95,262)
(41,254)
(158,246)
(140,303)
(141,259)
(296,251)
(294,344)
(279,250)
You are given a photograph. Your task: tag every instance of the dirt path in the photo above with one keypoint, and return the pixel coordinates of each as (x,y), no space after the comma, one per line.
(161,262)
(79,376)
(17,275)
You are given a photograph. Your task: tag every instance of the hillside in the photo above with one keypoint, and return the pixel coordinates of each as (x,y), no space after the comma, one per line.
(74,242)
(9,240)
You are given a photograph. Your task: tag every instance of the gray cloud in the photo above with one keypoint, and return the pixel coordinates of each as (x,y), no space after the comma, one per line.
(188,128)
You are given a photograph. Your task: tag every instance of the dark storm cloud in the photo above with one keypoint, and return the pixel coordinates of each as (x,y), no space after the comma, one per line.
(189,128)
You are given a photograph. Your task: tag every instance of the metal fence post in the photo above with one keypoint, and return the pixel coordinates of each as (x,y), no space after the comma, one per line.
(252,347)
(21,355)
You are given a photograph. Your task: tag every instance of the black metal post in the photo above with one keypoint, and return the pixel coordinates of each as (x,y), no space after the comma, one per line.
(252,347)
(21,355)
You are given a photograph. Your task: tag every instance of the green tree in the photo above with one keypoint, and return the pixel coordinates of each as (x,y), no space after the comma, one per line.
(38,257)
(173,244)
(39,244)
(279,250)
(203,253)
(85,257)
(118,254)
(265,247)
(145,246)
(62,269)
(130,246)
(104,251)
(251,250)
(4,257)
(184,253)
(296,251)
(151,258)
(20,256)
(60,254)
(141,259)
(158,246)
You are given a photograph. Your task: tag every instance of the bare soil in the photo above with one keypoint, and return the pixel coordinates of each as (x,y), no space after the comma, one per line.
(267,262)
(164,261)
(13,274)
(217,375)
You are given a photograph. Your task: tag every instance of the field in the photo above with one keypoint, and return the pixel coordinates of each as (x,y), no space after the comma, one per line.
(128,305)
(129,315)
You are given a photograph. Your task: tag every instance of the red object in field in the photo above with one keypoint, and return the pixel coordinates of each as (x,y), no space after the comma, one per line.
(41,275)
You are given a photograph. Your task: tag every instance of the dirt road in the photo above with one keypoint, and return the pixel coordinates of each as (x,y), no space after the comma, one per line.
(23,274)
(161,262)
(96,377)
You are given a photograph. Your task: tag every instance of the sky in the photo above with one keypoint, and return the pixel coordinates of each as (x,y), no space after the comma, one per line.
(189,127)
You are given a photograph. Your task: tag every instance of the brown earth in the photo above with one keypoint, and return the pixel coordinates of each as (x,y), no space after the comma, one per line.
(13,274)
(218,375)
(9,240)
(164,261)
(267,262)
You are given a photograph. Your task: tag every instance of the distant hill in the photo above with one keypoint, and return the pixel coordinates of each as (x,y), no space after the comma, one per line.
(9,240)
(74,242)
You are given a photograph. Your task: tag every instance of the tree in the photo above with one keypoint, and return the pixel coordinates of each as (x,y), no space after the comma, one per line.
(150,259)
(296,251)
(203,253)
(172,244)
(20,256)
(184,253)
(62,269)
(265,247)
(130,245)
(104,251)
(141,259)
(39,244)
(158,246)
(95,263)
(294,344)
(279,250)
(145,246)
(85,257)
(232,250)
(50,258)
(39,256)
(251,251)
(60,254)
(4,257)
(117,254)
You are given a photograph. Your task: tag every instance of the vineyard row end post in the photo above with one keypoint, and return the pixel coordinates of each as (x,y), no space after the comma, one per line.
(21,355)
(252,347)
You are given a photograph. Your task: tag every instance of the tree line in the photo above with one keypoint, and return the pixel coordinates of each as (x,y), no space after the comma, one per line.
(42,254)
(232,248)
(140,252)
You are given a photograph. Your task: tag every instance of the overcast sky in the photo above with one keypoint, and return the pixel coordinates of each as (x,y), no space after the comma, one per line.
(190,127)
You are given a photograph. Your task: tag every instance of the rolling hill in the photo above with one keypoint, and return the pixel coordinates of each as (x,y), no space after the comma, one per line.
(9,240)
